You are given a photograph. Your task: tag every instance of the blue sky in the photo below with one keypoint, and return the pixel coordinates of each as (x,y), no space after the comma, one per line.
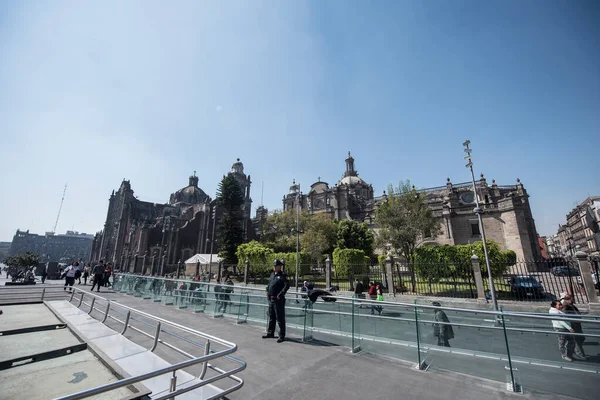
(94,92)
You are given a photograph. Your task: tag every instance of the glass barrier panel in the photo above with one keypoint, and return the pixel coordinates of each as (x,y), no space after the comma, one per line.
(467,342)
(388,329)
(243,306)
(554,359)
(332,321)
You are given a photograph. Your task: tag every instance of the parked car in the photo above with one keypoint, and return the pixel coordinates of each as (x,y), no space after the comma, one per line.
(564,270)
(522,286)
(594,279)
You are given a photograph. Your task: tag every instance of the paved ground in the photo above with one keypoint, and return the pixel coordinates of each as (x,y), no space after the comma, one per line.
(295,369)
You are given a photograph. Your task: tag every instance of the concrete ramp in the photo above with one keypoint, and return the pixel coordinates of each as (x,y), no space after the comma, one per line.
(128,356)
(40,358)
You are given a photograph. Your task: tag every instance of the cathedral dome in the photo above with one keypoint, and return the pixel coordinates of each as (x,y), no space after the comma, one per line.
(190,194)
(352,181)
(295,188)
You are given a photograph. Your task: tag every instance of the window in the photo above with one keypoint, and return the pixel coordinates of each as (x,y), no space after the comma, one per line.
(475,229)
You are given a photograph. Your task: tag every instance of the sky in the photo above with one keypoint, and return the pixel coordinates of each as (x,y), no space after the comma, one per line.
(92,93)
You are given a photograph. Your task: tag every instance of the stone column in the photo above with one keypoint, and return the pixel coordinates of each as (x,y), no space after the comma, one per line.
(328,273)
(389,273)
(585,270)
(144,263)
(246,271)
(162,265)
(478,277)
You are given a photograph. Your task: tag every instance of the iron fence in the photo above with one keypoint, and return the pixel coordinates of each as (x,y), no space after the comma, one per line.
(435,279)
(539,281)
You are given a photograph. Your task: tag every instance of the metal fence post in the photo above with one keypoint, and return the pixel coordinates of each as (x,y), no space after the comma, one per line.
(92,305)
(106,312)
(126,322)
(43,293)
(246,271)
(389,271)
(156,334)
(328,272)
(478,277)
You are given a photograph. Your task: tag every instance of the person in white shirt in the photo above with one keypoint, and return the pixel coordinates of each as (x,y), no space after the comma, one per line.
(566,343)
(69,275)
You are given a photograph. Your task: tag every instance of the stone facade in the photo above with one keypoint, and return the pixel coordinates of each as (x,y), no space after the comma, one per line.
(53,247)
(582,231)
(507,214)
(166,234)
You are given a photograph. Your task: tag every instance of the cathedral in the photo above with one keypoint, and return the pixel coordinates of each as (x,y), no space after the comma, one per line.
(143,237)
(507,213)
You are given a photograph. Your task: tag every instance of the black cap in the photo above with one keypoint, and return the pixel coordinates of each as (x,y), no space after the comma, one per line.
(278,262)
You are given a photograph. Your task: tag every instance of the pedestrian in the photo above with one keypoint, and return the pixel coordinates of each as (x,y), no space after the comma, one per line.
(45,273)
(69,275)
(304,290)
(442,328)
(566,343)
(86,273)
(372,295)
(570,308)
(276,290)
(79,270)
(98,273)
(226,291)
(107,273)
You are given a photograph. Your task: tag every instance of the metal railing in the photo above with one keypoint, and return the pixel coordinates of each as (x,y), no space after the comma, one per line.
(78,298)
(516,340)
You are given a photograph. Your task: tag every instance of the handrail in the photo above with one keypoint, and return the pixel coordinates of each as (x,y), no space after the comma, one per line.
(208,353)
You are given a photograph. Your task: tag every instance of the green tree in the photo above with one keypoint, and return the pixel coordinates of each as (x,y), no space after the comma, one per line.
(20,263)
(279,230)
(319,237)
(259,256)
(348,263)
(403,220)
(230,199)
(354,235)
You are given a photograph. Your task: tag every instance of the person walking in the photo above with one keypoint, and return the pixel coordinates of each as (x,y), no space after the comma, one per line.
(45,273)
(98,273)
(226,290)
(69,275)
(570,308)
(442,329)
(79,271)
(565,341)
(86,273)
(276,290)
(107,273)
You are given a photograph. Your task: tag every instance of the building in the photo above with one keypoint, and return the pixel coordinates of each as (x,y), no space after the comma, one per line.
(66,247)
(4,248)
(141,236)
(553,247)
(543,248)
(583,227)
(507,214)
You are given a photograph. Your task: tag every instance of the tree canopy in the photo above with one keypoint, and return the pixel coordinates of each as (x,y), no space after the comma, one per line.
(230,229)
(355,235)
(404,219)
(21,262)
(320,236)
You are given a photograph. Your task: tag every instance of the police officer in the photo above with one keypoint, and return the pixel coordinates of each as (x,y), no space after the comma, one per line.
(276,290)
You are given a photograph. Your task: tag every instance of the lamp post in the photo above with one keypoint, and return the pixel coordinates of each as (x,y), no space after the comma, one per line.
(479,211)
(298,199)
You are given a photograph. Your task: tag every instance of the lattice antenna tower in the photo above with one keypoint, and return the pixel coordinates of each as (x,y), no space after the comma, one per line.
(60,208)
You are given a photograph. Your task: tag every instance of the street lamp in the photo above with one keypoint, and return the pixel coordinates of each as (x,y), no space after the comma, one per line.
(298,199)
(479,211)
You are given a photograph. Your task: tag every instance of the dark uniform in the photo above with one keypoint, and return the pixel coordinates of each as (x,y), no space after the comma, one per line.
(276,290)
